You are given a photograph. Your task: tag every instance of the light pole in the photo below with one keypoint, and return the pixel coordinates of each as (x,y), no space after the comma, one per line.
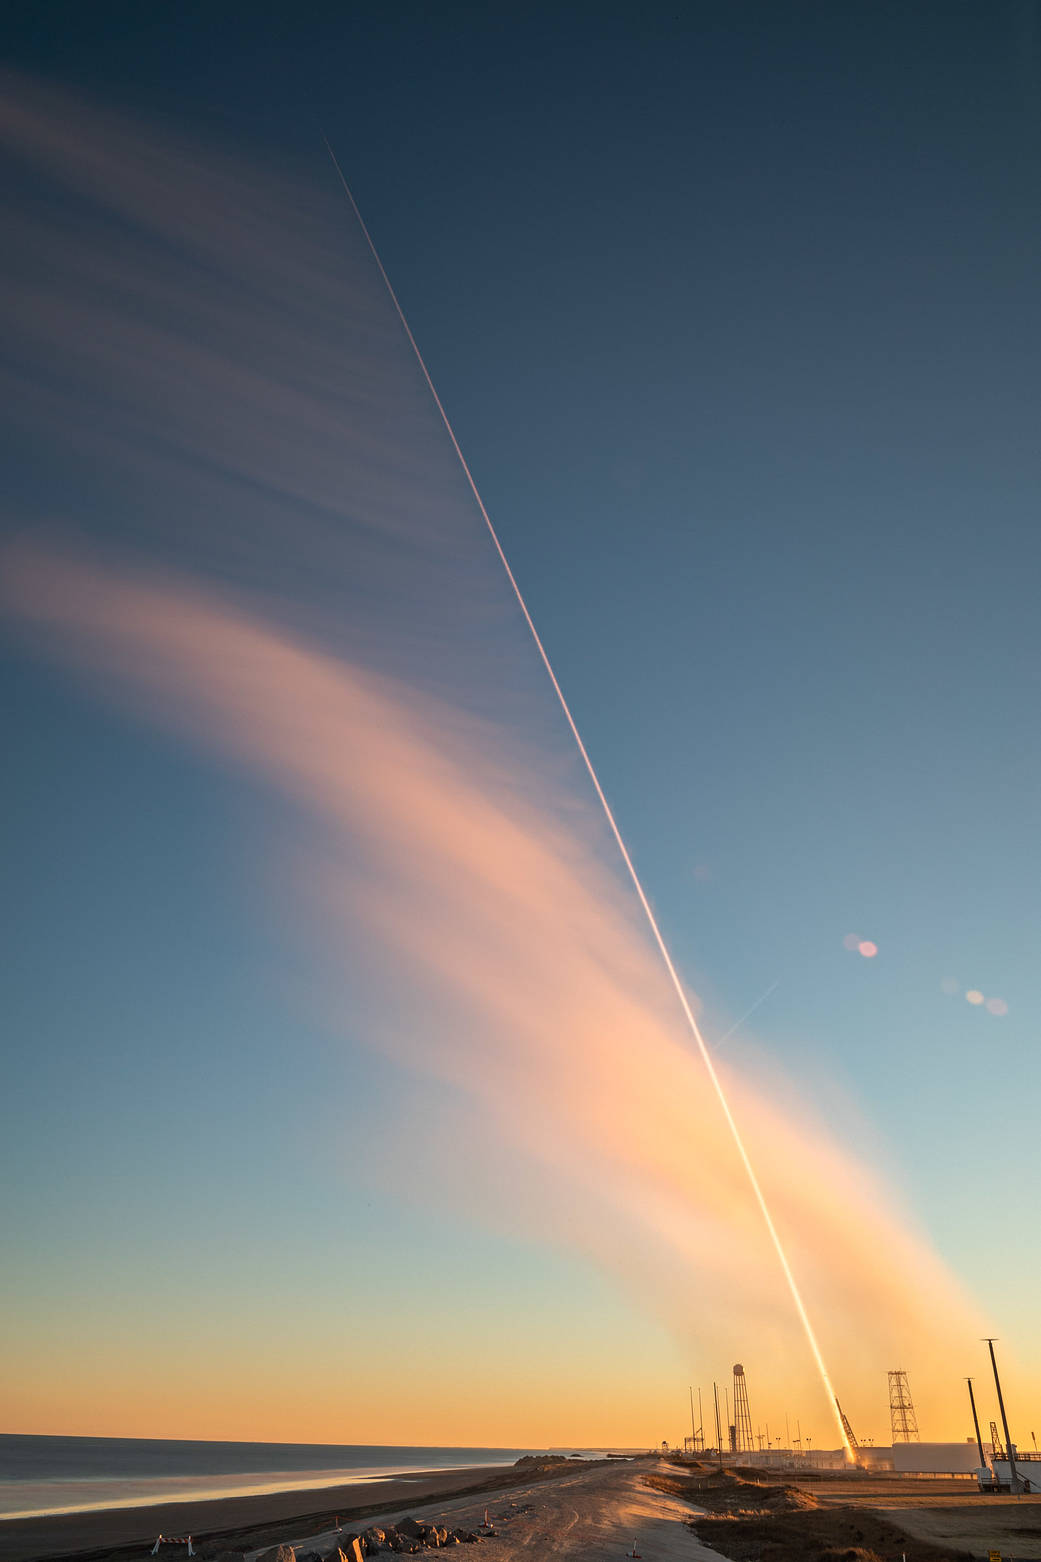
(976,1423)
(1014,1481)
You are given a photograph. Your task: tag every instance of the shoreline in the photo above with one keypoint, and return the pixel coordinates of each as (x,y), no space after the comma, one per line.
(237,1523)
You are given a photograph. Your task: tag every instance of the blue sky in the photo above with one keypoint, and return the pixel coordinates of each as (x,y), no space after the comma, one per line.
(735,315)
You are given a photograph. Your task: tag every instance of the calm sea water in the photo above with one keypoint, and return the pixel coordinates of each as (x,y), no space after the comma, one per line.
(40,1475)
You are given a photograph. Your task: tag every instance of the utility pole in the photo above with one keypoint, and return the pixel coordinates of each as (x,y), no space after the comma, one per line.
(976,1423)
(1013,1474)
(719,1438)
(693,1433)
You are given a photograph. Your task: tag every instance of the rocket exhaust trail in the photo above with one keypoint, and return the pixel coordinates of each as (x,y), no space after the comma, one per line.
(652,921)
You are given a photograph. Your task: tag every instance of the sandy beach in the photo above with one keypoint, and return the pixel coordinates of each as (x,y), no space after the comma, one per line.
(599,1512)
(590,1511)
(594,1510)
(130,1529)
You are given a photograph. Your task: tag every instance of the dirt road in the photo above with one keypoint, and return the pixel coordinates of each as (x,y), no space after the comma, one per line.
(947,1513)
(600,1514)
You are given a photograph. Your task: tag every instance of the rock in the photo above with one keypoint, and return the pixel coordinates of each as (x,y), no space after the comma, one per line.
(415,1529)
(353,1549)
(278,1554)
(309,1556)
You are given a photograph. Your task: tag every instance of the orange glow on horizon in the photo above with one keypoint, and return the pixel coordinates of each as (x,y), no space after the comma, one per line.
(507,962)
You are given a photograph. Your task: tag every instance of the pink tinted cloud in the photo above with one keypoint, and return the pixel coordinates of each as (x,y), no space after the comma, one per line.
(504,958)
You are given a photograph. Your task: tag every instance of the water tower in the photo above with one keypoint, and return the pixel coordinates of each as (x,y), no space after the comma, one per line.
(743,1442)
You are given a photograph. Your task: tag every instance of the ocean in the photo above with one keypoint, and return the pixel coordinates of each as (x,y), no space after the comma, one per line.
(46,1475)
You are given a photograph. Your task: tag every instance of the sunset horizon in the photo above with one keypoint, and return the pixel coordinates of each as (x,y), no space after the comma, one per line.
(517,585)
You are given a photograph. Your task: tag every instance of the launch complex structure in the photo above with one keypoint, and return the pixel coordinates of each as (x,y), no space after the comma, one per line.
(997,1465)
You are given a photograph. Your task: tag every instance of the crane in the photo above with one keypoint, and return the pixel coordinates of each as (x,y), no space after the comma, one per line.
(851,1438)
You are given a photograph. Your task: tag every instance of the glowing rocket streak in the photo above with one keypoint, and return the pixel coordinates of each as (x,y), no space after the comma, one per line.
(800,1306)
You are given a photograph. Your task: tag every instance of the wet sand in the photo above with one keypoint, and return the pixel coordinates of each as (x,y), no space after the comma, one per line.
(97,1534)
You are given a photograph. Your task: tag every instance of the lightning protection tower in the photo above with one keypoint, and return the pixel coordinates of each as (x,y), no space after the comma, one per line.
(902,1419)
(743,1439)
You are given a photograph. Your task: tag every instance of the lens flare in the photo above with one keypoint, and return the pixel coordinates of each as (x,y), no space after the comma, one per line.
(974,996)
(867,949)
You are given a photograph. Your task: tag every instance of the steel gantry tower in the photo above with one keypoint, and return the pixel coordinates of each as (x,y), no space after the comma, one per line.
(902,1418)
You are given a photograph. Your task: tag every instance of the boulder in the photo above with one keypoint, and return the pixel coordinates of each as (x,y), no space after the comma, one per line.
(278,1554)
(415,1529)
(352,1548)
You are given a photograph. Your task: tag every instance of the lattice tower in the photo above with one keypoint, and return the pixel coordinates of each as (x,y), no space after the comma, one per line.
(902,1416)
(995,1441)
(743,1440)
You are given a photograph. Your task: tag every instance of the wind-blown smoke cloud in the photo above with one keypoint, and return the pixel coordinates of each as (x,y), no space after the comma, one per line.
(208,356)
(507,963)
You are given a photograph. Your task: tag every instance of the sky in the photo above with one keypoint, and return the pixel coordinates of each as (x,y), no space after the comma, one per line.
(346,1098)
